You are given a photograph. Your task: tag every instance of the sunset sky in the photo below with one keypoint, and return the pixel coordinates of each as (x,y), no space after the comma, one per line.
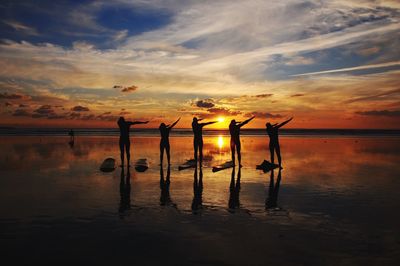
(330,64)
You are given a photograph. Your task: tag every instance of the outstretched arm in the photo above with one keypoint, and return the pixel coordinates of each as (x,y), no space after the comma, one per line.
(208,123)
(246,121)
(138,122)
(171,126)
(284,123)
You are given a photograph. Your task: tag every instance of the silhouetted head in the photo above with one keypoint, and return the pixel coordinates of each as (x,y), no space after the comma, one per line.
(195,119)
(121,119)
(268,125)
(163,126)
(233,122)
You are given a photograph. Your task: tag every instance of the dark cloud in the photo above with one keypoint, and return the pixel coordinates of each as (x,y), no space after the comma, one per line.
(125,113)
(12,96)
(129,89)
(74,115)
(207,103)
(23,105)
(117,87)
(7,104)
(265,95)
(21,112)
(387,113)
(44,110)
(79,108)
(297,95)
(223,111)
(108,113)
(263,115)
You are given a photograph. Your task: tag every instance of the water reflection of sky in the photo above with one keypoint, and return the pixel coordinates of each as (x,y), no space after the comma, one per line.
(341,178)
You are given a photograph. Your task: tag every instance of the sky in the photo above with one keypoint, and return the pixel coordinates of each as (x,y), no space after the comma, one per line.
(329,64)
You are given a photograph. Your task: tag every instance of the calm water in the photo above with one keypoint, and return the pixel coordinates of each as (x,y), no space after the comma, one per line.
(337,203)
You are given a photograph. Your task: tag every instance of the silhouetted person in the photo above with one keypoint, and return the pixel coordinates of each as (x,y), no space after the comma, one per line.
(198,136)
(71,134)
(165,198)
(124,141)
(164,142)
(125,192)
(197,190)
(234,190)
(234,129)
(272,200)
(272,131)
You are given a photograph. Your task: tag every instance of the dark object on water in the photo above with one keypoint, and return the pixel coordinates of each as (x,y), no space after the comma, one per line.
(222,166)
(108,165)
(141,165)
(188,164)
(266,166)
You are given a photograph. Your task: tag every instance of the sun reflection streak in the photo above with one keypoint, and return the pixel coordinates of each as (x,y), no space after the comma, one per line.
(220,142)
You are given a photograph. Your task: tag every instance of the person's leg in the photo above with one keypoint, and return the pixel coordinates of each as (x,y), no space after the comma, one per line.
(272,151)
(128,152)
(239,154)
(161,153)
(168,153)
(195,147)
(233,151)
(201,150)
(121,149)
(278,154)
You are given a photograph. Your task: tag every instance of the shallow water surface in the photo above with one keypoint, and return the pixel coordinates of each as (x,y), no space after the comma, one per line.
(336,201)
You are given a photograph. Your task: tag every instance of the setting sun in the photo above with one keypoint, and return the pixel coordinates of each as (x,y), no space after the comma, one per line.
(221,119)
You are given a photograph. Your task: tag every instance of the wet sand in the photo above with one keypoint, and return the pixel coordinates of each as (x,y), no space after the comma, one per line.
(336,204)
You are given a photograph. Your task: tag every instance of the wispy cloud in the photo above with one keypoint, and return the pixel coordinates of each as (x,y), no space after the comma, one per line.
(347,69)
(18,26)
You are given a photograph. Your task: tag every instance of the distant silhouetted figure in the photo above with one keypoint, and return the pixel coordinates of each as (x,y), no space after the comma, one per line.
(234,129)
(125,192)
(272,200)
(71,134)
(164,142)
(197,190)
(198,136)
(124,141)
(234,190)
(272,131)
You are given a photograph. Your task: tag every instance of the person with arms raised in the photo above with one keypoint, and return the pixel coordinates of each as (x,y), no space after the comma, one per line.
(124,141)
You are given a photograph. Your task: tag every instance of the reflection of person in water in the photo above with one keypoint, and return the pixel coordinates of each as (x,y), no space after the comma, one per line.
(234,190)
(125,192)
(124,141)
(164,143)
(197,190)
(198,137)
(272,131)
(234,129)
(165,198)
(272,200)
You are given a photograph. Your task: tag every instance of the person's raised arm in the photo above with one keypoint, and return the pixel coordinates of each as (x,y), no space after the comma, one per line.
(138,122)
(284,123)
(208,123)
(246,121)
(171,126)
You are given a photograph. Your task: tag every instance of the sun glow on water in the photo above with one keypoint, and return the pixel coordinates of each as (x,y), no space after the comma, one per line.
(220,142)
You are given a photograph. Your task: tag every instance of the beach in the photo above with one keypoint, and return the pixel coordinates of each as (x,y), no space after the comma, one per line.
(335,204)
